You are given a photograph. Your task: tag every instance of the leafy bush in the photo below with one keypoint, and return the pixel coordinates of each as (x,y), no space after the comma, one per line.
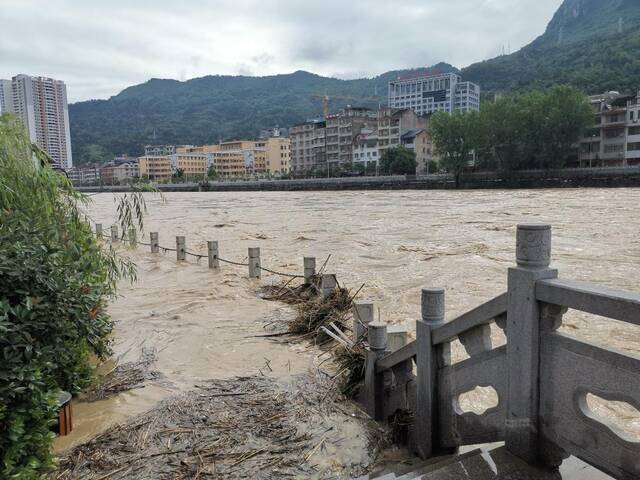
(54,281)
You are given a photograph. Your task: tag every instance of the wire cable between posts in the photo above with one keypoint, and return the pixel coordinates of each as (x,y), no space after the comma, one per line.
(281,273)
(233,263)
(224,260)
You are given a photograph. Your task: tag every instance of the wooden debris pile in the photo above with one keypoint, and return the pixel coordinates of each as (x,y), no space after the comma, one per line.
(317,318)
(123,377)
(256,427)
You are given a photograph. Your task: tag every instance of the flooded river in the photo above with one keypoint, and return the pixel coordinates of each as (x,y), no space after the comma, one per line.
(202,324)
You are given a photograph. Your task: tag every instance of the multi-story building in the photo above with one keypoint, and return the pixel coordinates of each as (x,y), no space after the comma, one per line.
(342,129)
(194,165)
(159,150)
(276,157)
(365,147)
(235,158)
(153,168)
(89,175)
(419,142)
(425,94)
(308,145)
(614,139)
(123,169)
(6,96)
(41,104)
(393,123)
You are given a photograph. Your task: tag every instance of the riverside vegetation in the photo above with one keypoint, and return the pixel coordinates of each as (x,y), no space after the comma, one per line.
(55,279)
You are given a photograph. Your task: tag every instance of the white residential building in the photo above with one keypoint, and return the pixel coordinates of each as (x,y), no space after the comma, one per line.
(41,104)
(6,97)
(425,94)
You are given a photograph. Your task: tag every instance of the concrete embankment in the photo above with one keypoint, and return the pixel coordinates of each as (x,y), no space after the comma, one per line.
(567,178)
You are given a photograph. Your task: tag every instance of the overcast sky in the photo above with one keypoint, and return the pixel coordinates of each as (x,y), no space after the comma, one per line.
(99,47)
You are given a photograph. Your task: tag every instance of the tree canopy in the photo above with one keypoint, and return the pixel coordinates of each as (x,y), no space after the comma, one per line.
(538,130)
(398,161)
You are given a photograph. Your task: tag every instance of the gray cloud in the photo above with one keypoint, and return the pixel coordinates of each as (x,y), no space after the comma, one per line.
(99,48)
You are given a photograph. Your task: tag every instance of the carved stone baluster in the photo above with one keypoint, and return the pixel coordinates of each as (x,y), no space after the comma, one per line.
(533,254)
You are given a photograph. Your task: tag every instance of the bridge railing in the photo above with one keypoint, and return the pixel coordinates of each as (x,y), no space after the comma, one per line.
(542,377)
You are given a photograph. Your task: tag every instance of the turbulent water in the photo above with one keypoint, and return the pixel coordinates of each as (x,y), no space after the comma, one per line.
(203,323)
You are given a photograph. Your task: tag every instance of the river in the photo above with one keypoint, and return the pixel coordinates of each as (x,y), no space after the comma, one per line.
(202,323)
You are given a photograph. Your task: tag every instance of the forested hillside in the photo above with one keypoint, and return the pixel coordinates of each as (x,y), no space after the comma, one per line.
(590,44)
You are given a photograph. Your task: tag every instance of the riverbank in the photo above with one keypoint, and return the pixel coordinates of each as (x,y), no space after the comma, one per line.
(611,177)
(248,427)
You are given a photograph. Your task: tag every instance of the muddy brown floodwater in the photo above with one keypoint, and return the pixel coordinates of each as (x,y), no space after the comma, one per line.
(202,323)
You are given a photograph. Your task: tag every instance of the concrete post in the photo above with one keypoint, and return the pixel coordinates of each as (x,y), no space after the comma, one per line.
(99,230)
(328,284)
(114,233)
(397,336)
(426,415)
(181,248)
(533,255)
(362,317)
(212,249)
(374,382)
(133,239)
(154,240)
(254,263)
(309,269)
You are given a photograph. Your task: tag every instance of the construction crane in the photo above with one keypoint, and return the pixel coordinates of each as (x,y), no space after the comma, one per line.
(325,101)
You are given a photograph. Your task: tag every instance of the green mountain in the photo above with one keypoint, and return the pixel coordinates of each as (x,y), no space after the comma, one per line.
(212,108)
(591,44)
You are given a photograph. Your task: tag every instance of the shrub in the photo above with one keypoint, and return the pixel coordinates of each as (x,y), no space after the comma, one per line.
(54,281)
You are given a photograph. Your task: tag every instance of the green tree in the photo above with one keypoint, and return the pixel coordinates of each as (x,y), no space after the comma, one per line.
(454,137)
(211,173)
(398,161)
(55,279)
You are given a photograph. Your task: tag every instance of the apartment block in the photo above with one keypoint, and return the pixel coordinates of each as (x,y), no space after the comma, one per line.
(6,96)
(365,147)
(308,145)
(277,155)
(425,94)
(155,168)
(614,139)
(393,123)
(194,165)
(121,170)
(84,175)
(419,142)
(342,129)
(41,105)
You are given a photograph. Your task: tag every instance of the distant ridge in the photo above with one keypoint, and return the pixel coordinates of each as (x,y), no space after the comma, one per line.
(591,44)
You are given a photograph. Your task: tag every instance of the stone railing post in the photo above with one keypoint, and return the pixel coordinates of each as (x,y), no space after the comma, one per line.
(362,317)
(533,255)
(328,284)
(154,240)
(114,233)
(397,336)
(133,237)
(254,263)
(309,269)
(212,249)
(181,248)
(374,382)
(99,230)
(428,359)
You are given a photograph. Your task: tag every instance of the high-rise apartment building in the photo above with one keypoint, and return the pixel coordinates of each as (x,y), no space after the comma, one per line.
(426,94)
(41,104)
(6,97)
